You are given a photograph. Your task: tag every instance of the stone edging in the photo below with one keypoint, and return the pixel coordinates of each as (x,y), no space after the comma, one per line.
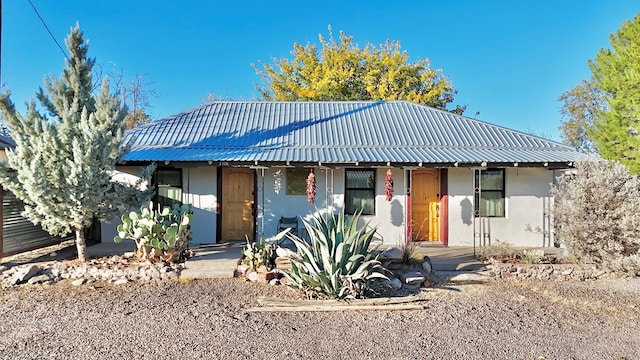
(544,271)
(115,269)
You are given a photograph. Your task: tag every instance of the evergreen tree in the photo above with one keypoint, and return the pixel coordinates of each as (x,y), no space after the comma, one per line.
(603,112)
(616,72)
(64,160)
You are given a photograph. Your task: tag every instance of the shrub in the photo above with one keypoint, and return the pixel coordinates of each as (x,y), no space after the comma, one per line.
(596,215)
(531,256)
(161,235)
(337,263)
(499,250)
(410,255)
(255,254)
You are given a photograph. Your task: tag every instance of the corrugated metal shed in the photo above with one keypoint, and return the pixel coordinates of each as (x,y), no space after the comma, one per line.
(336,133)
(18,233)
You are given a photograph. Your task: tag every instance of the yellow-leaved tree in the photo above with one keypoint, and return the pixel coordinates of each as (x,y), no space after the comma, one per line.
(340,70)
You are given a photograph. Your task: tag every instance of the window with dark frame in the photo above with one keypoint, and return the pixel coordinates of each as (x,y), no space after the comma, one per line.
(489,193)
(359,192)
(296,181)
(168,185)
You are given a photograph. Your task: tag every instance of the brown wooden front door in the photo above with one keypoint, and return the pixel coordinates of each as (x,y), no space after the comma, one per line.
(237,203)
(425,205)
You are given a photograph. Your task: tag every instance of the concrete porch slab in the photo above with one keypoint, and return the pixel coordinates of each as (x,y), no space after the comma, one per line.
(220,260)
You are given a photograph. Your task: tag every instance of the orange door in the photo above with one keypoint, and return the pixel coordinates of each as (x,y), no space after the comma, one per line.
(237,203)
(425,205)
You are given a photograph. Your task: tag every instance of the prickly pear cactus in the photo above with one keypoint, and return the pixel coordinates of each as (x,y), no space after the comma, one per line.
(163,235)
(259,253)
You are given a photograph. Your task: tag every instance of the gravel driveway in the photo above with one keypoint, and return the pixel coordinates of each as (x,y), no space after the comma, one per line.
(207,319)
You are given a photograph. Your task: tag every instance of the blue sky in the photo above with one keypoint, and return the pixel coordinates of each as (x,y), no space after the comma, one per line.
(509,60)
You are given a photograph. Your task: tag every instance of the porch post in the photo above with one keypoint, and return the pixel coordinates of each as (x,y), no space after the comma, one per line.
(406,202)
(326,191)
(408,206)
(261,208)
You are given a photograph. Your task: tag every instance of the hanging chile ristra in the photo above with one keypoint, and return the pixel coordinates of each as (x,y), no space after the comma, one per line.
(388,185)
(311,187)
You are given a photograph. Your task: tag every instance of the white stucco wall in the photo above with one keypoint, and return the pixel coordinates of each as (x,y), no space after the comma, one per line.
(526,195)
(388,218)
(198,189)
(272,205)
(124,174)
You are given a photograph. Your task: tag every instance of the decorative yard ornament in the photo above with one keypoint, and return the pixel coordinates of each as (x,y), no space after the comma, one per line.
(311,187)
(388,185)
(277,181)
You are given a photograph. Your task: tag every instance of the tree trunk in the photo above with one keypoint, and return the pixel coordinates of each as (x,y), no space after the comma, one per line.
(81,245)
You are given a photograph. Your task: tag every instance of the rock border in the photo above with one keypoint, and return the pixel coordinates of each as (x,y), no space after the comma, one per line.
(552,272)
(117,269)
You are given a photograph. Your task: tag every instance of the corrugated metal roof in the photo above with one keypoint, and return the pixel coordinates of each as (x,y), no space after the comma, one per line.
(6,142)
(335,132)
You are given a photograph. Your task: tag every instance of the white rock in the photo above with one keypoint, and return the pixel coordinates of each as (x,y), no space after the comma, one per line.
(128,254)
(60,266)
(284,252)
(39,279)
(78,282)
(252,276)
(121,281)
(24,273)
(465,276)
(154,273)
(52,254)
(413,277)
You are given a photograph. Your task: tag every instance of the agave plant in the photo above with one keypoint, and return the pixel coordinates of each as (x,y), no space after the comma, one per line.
(337,261)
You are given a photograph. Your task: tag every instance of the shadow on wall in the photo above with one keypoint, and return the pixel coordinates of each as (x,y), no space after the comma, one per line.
(397,213)
(466,211)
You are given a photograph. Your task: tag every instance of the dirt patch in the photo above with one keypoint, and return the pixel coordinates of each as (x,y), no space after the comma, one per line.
(209,319)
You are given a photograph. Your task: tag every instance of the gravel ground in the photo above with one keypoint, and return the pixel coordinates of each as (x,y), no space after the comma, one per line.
(207,319)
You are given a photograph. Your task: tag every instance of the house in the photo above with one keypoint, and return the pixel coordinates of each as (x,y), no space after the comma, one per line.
(18,234)
(454,180)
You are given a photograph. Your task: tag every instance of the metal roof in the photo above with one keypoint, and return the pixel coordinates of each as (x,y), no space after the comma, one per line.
(6,143)
(335,132)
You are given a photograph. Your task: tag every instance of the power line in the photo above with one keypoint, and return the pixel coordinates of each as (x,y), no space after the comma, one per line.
(49,31)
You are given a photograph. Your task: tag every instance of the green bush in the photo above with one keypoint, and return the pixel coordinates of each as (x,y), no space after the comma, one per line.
(161,235)
(337,263)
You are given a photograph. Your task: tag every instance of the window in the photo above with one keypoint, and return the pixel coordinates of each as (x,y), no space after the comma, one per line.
(359,193)
(296,183)
(168,185)
(489,193)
